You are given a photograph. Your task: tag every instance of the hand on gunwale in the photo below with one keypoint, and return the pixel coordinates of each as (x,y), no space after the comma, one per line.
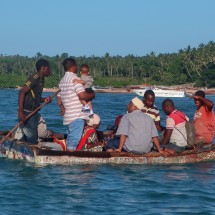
(117,150)
(164,153)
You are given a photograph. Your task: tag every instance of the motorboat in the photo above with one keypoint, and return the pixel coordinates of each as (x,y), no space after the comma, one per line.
(161,92)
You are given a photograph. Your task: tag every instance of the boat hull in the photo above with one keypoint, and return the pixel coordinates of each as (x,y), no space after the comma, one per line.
(182,159)
(14,149)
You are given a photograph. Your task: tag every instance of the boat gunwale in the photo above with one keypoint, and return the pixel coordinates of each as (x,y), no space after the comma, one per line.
(33,153)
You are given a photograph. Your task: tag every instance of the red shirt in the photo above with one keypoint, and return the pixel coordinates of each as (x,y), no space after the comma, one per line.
(176,121)
(178,118)
(204,122)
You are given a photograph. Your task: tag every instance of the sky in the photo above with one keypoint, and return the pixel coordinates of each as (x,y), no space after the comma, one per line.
(96,27)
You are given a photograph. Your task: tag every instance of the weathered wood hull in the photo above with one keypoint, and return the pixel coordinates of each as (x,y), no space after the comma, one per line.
(14,149)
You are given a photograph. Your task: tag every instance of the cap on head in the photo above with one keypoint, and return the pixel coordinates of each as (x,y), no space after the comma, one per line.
(94,120)
(138,103)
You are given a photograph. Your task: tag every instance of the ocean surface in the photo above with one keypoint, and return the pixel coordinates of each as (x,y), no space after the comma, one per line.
(102,189)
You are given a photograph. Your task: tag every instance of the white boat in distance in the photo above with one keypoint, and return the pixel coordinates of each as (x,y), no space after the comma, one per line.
(161,92)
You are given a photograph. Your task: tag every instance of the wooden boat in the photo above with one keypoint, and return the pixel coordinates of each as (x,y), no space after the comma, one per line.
(14,149)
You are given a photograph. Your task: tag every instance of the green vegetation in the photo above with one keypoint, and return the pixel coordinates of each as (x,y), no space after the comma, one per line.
(189,65)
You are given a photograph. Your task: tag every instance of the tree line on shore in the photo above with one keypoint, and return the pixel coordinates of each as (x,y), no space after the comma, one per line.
(188,65)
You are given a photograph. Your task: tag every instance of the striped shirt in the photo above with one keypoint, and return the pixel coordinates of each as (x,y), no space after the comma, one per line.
(69,97)
(153,112)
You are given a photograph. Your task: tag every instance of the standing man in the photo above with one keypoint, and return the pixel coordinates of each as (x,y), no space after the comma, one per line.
(30,99)
(69,101)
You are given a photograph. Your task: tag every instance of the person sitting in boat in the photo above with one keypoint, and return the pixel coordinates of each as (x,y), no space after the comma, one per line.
(111,136)
(44,136)
(204,119)
(175,136)
(136,130)
(42,130)
(113,129)
(150,109)
(89,140)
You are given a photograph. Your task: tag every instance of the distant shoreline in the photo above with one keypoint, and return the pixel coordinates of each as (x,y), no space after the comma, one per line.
(127,90)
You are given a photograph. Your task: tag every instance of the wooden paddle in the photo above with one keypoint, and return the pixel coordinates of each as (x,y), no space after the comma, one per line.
(28,116)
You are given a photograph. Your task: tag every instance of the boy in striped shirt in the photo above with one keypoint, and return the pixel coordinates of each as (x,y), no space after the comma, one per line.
(150,109)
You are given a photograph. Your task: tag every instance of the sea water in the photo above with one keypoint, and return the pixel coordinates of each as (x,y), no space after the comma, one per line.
(102,189)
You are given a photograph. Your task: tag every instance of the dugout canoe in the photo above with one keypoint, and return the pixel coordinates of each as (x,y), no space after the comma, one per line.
(14,149)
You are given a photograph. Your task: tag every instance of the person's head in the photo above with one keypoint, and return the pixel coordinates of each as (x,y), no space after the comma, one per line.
(70,65)
(84,69)
(168,106)
(94,121)
(198,102)
(149,98)
(135,104)
(43,67)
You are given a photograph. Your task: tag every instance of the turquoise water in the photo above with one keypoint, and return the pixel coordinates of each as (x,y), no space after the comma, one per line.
(102,189)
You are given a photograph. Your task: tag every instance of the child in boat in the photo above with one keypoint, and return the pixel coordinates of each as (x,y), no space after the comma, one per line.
(175,136)
(89,140)
(87,81)
(204,119)
(150,109)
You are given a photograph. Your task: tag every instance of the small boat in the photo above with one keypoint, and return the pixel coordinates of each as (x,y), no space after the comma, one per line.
(161,92)
(14,149)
